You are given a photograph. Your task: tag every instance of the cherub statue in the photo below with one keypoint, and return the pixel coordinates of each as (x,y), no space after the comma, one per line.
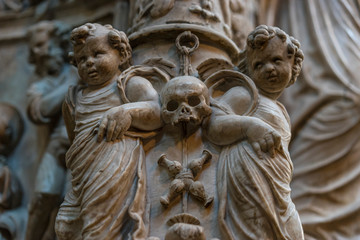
(107,199)
(254,179)
(184,179)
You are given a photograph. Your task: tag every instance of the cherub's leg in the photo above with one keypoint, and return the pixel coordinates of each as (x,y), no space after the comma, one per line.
(197,190)
(197,164)
(174,167)
(177,187)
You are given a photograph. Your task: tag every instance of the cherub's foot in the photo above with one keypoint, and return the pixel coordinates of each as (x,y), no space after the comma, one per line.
(164,201)
(208,202)
(161,159)
(207,155)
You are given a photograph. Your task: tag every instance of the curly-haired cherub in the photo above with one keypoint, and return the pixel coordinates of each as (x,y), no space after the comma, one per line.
(184,179)
(107,165)
(254,179)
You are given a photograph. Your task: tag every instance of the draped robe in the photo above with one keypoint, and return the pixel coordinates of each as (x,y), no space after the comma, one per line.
(254,193)
(108,195)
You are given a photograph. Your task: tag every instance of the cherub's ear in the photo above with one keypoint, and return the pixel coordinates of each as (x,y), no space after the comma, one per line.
(125,54)
(72,59)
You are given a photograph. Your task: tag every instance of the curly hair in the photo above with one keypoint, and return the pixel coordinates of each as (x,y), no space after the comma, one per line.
(117,40)
(258,39)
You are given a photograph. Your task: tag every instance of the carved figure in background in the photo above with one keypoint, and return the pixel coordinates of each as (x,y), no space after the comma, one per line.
(242,11)
(184,179)
(48,46)
(108,195)
(254,187)
(11,129)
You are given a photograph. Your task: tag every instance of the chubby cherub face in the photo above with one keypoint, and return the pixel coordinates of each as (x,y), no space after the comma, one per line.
(97,62)
(271,67)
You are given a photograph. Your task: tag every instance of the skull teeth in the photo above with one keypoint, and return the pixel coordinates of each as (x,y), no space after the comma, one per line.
(186,119)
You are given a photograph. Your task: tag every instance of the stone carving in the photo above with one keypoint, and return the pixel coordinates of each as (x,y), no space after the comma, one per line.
(48,47)
(205,10)
(185,100)
(215,14)
(185,105)
(323,105)
(11,129)
(184,226)
(248,174)
(110,126)
(184,179)
(186,44)
(244,12)
(238,122)
(107,199)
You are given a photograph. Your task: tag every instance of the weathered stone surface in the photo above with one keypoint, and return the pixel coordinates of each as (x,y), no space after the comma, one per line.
(181,135)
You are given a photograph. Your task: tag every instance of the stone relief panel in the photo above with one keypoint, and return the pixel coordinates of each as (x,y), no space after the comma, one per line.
(154,140)
(182,135)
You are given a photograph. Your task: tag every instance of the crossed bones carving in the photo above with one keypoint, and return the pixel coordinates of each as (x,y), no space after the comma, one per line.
(184,179)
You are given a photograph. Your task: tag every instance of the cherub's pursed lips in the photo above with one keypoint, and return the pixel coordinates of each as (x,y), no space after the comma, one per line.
(92,73)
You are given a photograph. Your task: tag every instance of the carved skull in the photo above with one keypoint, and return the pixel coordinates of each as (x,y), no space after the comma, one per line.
(185,99)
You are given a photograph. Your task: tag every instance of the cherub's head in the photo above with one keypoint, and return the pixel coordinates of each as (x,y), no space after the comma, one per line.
(48,46)
(100,53)
(272,59)
(11,128)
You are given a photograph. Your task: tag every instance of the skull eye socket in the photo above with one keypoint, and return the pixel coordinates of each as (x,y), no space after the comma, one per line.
(172,105)
(193,100)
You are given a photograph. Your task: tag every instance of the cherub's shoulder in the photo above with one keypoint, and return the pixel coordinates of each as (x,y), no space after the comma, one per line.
(72,94)
(138,83)
(284,111)
(238,99)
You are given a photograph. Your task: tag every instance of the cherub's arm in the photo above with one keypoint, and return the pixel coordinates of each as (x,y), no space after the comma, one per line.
(227,128)
(145,104)
(143,111)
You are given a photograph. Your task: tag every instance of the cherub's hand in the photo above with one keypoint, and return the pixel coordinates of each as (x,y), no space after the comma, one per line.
(114,123)
(263,138)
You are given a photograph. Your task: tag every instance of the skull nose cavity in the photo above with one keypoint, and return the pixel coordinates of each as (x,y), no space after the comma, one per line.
(185,110)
